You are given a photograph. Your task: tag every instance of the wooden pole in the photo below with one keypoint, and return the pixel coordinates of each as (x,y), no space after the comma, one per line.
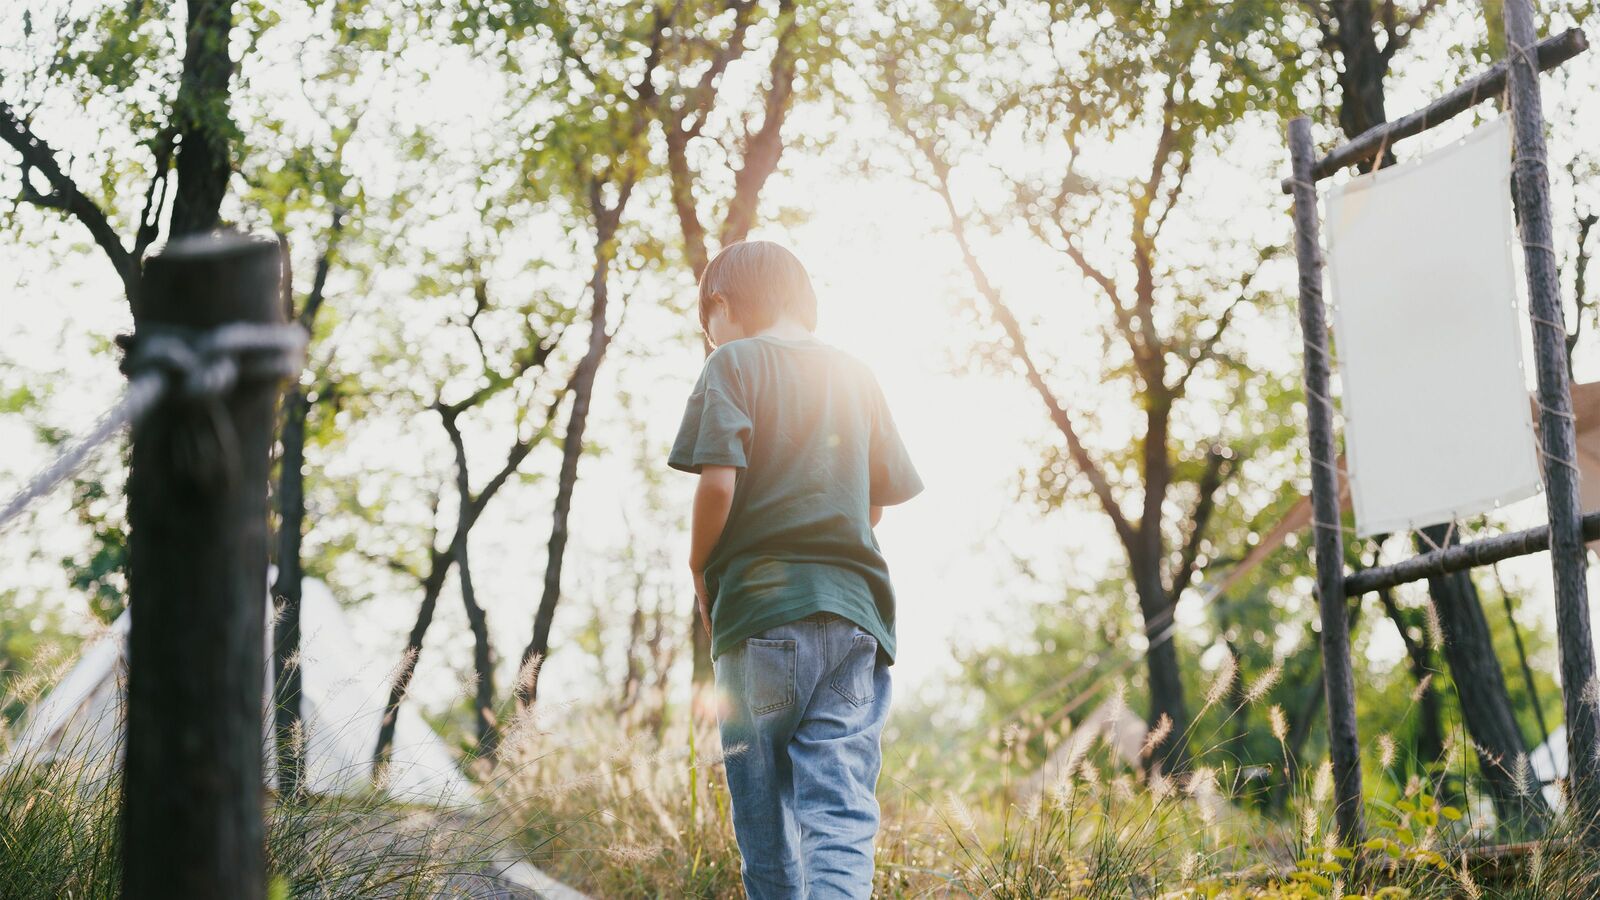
(1338,680)
(197,577)
(1455,557)
(1552,52)
(1568,557)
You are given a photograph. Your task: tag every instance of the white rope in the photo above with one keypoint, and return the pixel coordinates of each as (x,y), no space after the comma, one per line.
(161,361)
(140,397)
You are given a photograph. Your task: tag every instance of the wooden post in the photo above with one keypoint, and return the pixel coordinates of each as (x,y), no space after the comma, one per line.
(1568,557)
(1338,681)
(197,577)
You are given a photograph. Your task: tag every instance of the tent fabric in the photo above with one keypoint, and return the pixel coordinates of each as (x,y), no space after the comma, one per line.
(1429,340)
(343,702)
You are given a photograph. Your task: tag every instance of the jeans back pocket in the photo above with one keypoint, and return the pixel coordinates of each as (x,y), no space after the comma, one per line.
(769,674)
(853,677)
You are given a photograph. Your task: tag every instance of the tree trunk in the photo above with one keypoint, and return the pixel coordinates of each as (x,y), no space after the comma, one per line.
(1308,714)
(438,570)
(482,657)
(1300,726)
(286,589)
(1161,662)
(477,620)
(662,654)
(201,115)
(633,675)
(289,735)
(527,688)
(1361,78)
(431,587)
(1481,689)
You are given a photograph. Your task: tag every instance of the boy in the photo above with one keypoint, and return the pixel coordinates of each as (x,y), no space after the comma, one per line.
(797,456)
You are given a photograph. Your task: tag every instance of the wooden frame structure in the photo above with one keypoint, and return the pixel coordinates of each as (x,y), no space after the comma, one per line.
(1568,529)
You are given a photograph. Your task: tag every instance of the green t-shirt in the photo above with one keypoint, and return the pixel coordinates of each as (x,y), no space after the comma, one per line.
(808,429)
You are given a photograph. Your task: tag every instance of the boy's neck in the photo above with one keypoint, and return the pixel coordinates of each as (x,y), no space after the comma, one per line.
(787,329)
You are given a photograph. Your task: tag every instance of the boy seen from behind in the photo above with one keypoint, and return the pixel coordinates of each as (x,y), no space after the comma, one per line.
(797,456)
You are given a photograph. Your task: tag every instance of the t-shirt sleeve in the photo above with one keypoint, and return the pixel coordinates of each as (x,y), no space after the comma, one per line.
(893,478)
(716,422)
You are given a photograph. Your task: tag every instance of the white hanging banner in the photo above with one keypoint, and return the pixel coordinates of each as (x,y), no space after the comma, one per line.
(1429,338)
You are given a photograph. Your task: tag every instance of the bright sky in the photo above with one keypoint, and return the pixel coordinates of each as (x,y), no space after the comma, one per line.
(889,282)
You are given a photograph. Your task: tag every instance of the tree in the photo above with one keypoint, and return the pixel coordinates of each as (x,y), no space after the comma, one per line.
(288,729)
(609,164)
(1140,74)
(191,137)
(543,330)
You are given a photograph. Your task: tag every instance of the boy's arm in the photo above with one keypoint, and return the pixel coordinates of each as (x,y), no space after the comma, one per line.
(713,499)
(876,516)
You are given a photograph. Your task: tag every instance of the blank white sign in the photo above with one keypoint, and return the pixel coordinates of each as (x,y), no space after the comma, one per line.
(1428,341)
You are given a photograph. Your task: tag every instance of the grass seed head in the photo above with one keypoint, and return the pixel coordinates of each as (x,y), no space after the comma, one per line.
(1264,682)
(1386,750)
(1157,736)
(1435,627)
(1280,723)
(1421,688)
(1322,786)
(1227,673)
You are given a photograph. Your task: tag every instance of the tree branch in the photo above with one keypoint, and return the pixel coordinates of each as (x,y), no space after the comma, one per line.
(1399,38)
(64,195)
(762,149)
(519,451)
(681,176)
(1019,348)
(703,95)
(532,355)
(1208,349)
(1415,650)
(1580,274)
(155,196)
(1218,467)
(1120,312)
(1150,352)
(319,279)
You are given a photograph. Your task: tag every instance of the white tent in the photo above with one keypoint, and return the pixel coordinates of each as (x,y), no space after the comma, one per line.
(343,700)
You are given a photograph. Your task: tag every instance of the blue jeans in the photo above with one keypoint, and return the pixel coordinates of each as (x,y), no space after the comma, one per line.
(804,707)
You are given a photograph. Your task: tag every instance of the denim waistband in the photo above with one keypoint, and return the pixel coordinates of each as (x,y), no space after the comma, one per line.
(823,616)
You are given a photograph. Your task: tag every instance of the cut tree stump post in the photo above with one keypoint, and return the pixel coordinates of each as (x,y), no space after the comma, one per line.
(1338,679)
(1568,557)
(197,577)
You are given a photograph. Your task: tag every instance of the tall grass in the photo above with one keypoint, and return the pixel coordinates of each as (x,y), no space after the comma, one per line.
(621,809)
(59,835)
(622,813)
